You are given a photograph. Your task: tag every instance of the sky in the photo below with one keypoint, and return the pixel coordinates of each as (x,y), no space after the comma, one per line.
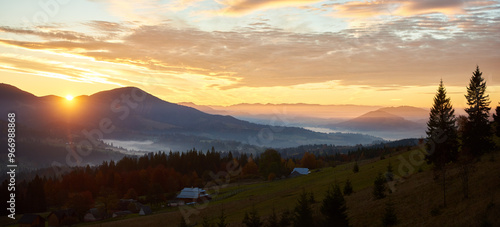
(224,52)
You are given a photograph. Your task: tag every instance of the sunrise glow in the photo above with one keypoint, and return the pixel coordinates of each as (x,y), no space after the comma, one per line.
(387,53)
(69,97)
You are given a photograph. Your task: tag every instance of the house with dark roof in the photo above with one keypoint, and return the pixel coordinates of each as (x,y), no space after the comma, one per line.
(145,210)
(31,220)
(193,195)
(122,213)
(62,218)
(299,172)
(93,214)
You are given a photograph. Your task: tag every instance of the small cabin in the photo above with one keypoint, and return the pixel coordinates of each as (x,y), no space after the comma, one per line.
(145,210)
(62,218)
(31,220)
(193,195)
(299,172)
(93,215)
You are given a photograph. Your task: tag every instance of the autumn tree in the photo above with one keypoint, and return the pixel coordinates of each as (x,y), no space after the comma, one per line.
(308,160)
(270,162)
(80,202)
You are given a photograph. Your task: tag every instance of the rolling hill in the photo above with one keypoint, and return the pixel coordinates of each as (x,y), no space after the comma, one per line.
(131,114)
(384,124)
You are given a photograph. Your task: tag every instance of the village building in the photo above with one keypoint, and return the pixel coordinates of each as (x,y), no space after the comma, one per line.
(31,220)
(299,172)
(193,195)
(62,218)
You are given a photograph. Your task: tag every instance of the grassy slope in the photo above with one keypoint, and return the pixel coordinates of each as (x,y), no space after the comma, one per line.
(415,197)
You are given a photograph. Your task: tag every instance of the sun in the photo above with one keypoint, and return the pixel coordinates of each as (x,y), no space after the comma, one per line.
(69,97)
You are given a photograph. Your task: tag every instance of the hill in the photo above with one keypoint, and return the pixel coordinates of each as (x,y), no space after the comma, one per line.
(417,196)
(133,115)
(384,124)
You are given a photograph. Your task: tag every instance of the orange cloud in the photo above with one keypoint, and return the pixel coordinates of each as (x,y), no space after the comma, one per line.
(364,9)
(242,7)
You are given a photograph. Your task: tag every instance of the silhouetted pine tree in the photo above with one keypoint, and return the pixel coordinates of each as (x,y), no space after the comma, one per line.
(303,212)
(496,121)
(379,187)
(442,130)
(355,169)
(334,208)
(286,218)
(222,219)
(252,219)
(477,134)
(389,218)
(348,187)
(272,221)
(442,134)
(183,222)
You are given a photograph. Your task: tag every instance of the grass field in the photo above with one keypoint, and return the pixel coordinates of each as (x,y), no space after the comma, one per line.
(417,196)
(282,194)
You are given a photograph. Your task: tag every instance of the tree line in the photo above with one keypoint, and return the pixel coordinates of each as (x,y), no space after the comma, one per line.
(464,139)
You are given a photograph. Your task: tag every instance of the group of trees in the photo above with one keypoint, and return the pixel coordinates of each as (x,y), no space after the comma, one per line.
(152,178)
(333,212)
(463,141)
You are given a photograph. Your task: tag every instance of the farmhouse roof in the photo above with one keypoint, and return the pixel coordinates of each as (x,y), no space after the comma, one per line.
(191,193)
(303,171)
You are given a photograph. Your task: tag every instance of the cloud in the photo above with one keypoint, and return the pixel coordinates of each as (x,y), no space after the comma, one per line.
(364,9)
(242,7)
(404,51)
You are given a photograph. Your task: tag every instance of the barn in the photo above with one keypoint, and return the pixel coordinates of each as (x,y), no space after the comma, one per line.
(299,172)
(193,195)
(31,220)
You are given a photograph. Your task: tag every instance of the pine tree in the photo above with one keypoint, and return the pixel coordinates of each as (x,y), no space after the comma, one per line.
(442,134)
(272,221)
(379,187)
(477,132)
(441,130)
(285,218)
(334,207)
(252,219)
(355,169)
(222,219)
(348,187)
(303,212)
(389,218)
(183,222)
(496,121)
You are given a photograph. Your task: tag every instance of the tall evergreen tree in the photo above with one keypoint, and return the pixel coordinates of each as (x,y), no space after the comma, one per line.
(496,121)
(252,219)
(348,187)
(379,187)
(477,135)
(303,212)
(334,207)
(442,134)
(442,130)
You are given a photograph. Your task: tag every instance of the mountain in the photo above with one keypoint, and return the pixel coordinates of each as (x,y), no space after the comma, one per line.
(131,114)
(384,124)
(408,112)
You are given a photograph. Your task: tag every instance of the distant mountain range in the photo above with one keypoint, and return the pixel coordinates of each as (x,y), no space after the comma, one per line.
(387,122)
(130,114)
